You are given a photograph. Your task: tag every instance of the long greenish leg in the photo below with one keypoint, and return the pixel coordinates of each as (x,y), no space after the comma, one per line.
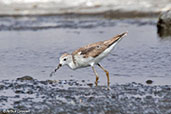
(97,77)
(107,74)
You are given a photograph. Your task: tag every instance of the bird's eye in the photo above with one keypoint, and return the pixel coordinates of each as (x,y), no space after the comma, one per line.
(65,59)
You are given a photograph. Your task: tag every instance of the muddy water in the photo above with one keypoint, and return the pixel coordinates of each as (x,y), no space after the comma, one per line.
(31,46)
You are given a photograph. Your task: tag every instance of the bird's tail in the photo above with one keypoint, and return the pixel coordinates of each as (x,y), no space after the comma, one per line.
(122,34)
(115,39)
(118,37)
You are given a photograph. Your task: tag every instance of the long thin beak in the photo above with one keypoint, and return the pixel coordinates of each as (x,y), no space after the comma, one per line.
(51,74)
(58,67)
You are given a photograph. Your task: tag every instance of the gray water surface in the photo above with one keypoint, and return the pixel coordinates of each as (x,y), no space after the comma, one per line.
(32,45)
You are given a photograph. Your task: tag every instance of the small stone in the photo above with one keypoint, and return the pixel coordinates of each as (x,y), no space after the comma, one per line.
(113,96)
(2,87)
(19,91)
(25,78)
(50,81)
(148,97)
(149,81)
(29,92)
(90,99)
(44,82)
(90,84)
(17,96)
(17,102)
(3,98)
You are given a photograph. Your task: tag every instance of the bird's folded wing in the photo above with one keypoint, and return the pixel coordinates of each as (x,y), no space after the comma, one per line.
(92,50)
(95,49)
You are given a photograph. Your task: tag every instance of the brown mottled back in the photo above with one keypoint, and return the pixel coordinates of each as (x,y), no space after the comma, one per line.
(97,48)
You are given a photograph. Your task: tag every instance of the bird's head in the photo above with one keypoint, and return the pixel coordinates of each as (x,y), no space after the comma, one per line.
(65,59)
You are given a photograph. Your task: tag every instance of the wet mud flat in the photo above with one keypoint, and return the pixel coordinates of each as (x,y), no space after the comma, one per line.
(31,96)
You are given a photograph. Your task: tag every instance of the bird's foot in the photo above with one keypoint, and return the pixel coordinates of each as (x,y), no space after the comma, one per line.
(108,85)
(96,83)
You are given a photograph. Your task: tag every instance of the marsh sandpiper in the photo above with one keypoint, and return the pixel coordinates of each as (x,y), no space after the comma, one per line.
(90,55)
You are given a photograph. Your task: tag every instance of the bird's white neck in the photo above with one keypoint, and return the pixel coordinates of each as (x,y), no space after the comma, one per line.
(71,64)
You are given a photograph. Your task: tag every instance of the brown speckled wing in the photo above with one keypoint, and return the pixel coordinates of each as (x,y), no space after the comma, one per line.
(97,48)
(92,50)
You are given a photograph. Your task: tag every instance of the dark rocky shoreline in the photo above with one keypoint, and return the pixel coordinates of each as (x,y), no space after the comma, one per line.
(31,96)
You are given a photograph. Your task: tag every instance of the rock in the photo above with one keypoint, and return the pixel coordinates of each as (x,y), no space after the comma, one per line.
(19,91)
(29,92)
(2,87)
(25,78)
(164,24)
(149,81)
(90,84)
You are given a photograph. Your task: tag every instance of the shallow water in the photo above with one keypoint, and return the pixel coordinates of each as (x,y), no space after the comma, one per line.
(32,45)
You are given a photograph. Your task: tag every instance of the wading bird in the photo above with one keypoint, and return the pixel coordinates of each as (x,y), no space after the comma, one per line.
(90,55)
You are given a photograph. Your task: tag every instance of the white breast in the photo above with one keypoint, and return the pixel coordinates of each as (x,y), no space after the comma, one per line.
(83,62)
